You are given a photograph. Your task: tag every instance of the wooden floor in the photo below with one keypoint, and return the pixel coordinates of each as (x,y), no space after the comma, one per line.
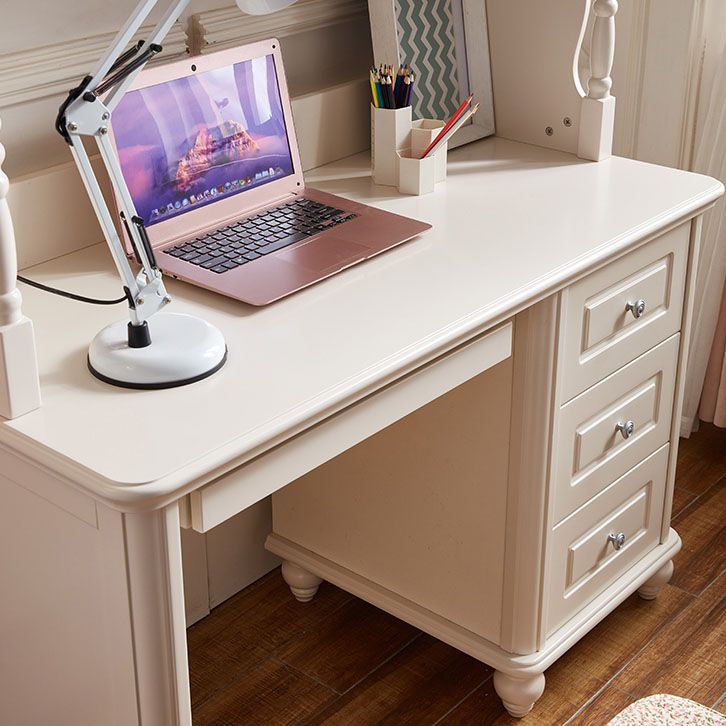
(263,658)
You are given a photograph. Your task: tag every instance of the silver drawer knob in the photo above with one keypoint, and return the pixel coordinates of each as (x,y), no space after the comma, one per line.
(626,428)
(637,308)
(618,540)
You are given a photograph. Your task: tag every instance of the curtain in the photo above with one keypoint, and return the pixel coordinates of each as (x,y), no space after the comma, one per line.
(713,399)
(706,348)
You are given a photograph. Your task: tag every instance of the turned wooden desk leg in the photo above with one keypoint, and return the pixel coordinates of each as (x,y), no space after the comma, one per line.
(519,694)
(303,584)
(650,588)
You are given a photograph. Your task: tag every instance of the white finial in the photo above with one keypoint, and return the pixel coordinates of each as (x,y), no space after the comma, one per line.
(602,52)
(597,114)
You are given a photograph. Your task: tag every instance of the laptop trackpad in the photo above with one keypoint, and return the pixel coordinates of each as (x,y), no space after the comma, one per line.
(321,255)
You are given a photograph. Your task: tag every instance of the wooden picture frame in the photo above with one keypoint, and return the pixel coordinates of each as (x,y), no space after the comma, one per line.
(453,63)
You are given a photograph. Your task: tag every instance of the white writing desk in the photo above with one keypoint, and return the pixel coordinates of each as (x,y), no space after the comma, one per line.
(95,483)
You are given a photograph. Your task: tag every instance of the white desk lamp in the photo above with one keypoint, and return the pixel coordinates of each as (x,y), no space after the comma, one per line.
(174,349)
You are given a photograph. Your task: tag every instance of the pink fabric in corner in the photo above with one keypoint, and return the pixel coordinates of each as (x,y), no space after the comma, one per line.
(665,710)
(713,398)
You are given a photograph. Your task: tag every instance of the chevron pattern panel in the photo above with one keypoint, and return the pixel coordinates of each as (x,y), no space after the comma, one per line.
(427,43)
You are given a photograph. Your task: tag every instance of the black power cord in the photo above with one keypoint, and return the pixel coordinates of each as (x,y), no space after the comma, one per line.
(71,295)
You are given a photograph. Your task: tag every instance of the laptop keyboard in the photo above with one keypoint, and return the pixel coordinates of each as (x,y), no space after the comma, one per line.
(259,235)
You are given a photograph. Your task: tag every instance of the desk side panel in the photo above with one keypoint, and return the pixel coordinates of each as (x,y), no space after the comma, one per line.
(419,508)
(66,655)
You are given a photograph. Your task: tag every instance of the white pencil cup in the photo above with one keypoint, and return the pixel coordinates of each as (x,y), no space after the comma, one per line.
(390,133)
(423,132)
(415,176)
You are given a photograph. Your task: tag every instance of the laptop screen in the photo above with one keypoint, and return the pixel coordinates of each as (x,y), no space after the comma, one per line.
(188,142)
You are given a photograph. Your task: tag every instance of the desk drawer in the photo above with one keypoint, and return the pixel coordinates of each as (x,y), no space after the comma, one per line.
(600,334)
(583,561)
(590,450)
(223,498)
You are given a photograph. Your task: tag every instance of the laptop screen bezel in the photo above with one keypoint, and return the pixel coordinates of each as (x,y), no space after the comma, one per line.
(222,211)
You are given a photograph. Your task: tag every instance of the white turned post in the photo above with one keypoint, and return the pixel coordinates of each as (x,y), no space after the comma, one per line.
(19,386)
(597,118)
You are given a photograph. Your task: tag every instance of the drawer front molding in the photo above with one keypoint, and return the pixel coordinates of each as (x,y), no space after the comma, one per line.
(617,313)
(611,427)
(598,543)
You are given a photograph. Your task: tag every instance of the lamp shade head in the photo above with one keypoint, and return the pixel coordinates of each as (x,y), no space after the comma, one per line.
(263,7)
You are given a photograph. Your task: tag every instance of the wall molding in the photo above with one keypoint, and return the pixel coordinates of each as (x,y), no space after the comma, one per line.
(49,70)
(228,27)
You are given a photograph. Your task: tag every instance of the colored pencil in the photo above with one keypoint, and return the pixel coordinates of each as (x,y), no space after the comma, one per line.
(455,117)
(379,91)
(397,87)
(374,93)
(391,89)
(452,130)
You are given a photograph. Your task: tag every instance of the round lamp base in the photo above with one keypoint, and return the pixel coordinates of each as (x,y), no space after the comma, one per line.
(183,350)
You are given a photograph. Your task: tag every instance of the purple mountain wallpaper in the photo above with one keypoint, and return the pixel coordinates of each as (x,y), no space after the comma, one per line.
(185,143)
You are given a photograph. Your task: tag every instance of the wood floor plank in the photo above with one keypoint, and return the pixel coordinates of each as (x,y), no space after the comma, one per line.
(686,658)
(246,629)
(681,499)
(607,705)
(590,663)
(272,694)
(670,644)
(346,646)
(417,686)
(481,707)
(701,459)
(702,527)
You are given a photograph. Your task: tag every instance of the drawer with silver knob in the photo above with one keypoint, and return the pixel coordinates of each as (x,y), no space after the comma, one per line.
(615,314)
(592,547)
(612,426)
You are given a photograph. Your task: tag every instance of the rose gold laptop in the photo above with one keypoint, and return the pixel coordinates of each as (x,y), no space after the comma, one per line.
(208,150)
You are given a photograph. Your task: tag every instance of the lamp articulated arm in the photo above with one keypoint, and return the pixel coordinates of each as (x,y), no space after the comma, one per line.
(87,112)
(185,348)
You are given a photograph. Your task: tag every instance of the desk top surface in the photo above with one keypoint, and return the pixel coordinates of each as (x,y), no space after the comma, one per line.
(512,224)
